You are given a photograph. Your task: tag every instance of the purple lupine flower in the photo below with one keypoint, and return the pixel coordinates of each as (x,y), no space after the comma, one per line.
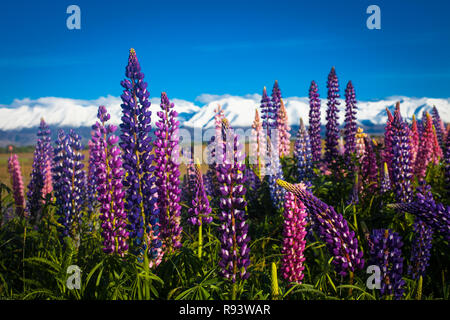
(350,121)
(200,212)
(437,150)
(68,177)
(294,232)
(43,154)
(332,126)
(275,172)
(420,252)
(369,167)
(401,168)
(141,192)
(167,173)
(386,253)
(385,180)
(302,154)
(434,215)
(235,253)
(107,161)
(268,113)
(387,151)
(314,122)
(91,179)
(276,100)
(439,125)
(333,229)
(17,184)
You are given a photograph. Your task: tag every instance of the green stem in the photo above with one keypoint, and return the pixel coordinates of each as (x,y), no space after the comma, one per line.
(233,291)
(200,240)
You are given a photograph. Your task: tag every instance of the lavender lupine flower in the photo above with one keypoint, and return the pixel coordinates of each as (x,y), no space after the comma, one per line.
(167,173)
(447,163)
(294,232)
(425,151)
(385,180)
(401,168)
(333,229)
(314,122)
(268,114)
(136,145)
(235,253)
(302,154)
(369,167)
(350,121)
(258,148)
(332,126)
(107,161)
(200,212)
(424,207)
(91,181)
(415,135)
(276,100)
(385,252)
(421,247)
(68,177)
(283,128)
(439,125)
(17,184)
(43,154)
(275,171)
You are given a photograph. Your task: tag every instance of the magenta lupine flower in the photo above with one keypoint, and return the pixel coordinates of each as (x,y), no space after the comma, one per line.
(107,161)
(332,126)
(425,151)
(17,184)
(414,141)
(439,125)
(258,148)
(294,232)
(283,128)
(333,229)
(350,121)
(200,212)
(387,152)
(167,174)
(43,153)
(401,166)
(136,143)
(235,253)
(386,253)
(314,122)
(48,182)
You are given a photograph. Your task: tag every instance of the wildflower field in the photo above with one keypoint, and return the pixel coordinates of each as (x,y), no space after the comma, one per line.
(322,214)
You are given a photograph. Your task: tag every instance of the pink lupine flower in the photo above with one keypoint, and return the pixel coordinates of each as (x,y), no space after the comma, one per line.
(283,129)
(17,183)
(294,233)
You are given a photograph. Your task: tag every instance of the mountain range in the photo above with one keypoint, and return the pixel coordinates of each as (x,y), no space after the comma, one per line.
(19,120)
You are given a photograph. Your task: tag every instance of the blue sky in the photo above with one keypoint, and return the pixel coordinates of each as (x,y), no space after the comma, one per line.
(187,48)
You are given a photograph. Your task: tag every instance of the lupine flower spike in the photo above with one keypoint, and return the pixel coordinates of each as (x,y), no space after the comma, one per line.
(141,197)
(333,229)
(332,126)
(16,183)
(283,129)
(439,125)
(385,252)
(294,233)
(302,153)
(107,161)
(350,121)
(425,151)
(167,155)
(314,122)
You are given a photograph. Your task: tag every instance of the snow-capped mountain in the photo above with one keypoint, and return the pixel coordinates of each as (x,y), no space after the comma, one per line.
(22,115)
